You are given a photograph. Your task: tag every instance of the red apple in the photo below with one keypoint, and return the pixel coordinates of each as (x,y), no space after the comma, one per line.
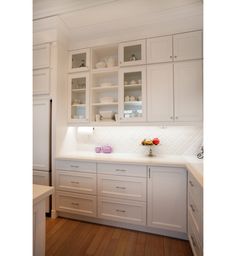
(156,141)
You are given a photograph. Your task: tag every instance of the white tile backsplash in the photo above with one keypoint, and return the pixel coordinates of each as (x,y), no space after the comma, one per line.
(174,140)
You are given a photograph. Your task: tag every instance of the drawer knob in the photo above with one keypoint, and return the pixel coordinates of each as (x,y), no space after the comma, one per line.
(120,187)
(191,183)
(120,210)
(192,207)
(121,170)
(74,166)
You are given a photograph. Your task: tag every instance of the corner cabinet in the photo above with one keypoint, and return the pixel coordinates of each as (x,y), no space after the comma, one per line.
(132,83)
(132,53)
(78,97)
(167,198)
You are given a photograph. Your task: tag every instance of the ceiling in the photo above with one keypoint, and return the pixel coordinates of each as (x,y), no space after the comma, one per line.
(93,18)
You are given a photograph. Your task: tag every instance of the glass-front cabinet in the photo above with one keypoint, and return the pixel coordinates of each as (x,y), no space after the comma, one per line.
(78,97)
(132,53)
(132,82)
(79,61)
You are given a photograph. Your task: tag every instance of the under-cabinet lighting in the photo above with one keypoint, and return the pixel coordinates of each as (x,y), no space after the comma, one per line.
(85,130)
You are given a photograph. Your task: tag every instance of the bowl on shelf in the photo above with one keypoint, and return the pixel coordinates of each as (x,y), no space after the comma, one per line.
(106,99)
(108,114)
(133,82)
(100,64)
(106,84)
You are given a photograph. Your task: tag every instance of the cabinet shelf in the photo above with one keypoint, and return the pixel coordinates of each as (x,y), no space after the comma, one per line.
(78,90)
(133,102)
(105,70)
(105,104)
(78,105)
(133,85)
(113,87)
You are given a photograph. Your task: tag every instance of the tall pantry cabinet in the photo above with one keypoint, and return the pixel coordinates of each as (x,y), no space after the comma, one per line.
(174,82)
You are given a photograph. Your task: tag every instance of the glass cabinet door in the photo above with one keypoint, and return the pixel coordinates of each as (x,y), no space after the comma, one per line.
(78,97)
(133,94)
(79,60)
(132,53)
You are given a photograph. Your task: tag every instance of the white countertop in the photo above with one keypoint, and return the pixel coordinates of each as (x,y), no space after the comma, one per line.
(192,163)
(40,192)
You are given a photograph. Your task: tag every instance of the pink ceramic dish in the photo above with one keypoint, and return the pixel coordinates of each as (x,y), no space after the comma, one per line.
(98,149)
(106,149)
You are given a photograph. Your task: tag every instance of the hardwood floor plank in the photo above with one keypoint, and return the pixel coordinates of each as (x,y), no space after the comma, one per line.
(66,237)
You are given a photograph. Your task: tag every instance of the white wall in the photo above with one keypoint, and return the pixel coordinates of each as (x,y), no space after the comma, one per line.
(177,140)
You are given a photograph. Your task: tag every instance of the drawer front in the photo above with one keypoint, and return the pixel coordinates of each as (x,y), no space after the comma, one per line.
(194,238)
(196,190)
(76,203)
(194,210)
(76,166)
(122,187)
(41,56)
(77,182)
(122,210)
(41,81)
(123,169)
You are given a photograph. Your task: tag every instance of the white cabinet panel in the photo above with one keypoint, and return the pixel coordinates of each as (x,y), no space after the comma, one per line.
(160,92)
(122,210)
(188,46)
(79,60)
(122,187)
(41,56)
(159,49)
(41,134)
(188,90)
(76,203)
(77,182)
(41,81)
(167,198)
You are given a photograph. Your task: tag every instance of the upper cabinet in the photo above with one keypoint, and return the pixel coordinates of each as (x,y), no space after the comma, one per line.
(185,46)
(79,60)
(41,56)
(132,53)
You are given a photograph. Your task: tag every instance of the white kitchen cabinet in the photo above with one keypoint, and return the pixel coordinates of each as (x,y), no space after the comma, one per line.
(160,94)
(159,49)
(41,56)
(74,165)
(41,81)
(132,82)
(41,134)
(187,46)
(78,97)
(79,60)
(132,53)
(167,198)
(188,90)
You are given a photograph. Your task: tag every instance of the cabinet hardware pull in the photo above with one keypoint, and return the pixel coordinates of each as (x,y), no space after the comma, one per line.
(171,57)
(175,56)
(149,173)
(77,204)
(121,170)
(75,182)
(191,183)
(120,210)
(193,209)
(171,117)
(120,187)
(193,240)
(176,117)
(74,166)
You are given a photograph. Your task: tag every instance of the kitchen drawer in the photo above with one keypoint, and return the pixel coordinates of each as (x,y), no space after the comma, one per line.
(194,238)
(41,81)
(196,213)
(122,210)
(122,187)
(123,169)
(69,165)
(196,190)
(77,182)
(41,56)
(76,203)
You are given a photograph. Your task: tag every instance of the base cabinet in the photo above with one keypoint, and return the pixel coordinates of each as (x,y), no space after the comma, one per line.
(167,198)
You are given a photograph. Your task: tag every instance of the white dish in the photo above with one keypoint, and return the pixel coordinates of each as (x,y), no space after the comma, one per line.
(106,99)
(100,64)
(106,114)
(133,82)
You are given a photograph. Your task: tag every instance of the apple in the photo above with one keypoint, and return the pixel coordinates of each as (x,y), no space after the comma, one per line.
(156,141)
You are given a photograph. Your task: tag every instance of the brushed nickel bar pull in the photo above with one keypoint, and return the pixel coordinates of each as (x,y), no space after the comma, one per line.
(121,170)
(193,209)
(120,210)
(74,166)
(120,187)
(191,183)
(75,182)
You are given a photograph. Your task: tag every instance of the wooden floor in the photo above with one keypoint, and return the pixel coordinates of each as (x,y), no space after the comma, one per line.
(66,237)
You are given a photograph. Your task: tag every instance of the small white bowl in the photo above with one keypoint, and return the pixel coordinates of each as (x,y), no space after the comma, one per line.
(100,64)
(133,82)
(106,114)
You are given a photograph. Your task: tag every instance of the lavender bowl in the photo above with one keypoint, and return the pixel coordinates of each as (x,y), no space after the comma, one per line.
(106,149)
(98,149)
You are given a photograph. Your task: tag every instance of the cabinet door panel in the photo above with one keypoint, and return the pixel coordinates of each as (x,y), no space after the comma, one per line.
(41,56)
(188,46)
(167,198)
(159,49)
(160,92)
(188,91)
(41,81)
